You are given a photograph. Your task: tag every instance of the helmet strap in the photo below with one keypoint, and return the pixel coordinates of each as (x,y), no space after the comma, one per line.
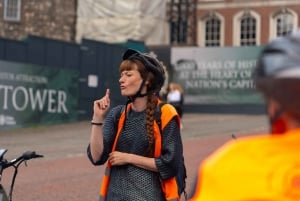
(138,93)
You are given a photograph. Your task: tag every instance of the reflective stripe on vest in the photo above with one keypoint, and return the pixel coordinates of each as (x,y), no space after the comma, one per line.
(169,186)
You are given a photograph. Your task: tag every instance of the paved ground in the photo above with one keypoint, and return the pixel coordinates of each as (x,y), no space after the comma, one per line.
(65,174)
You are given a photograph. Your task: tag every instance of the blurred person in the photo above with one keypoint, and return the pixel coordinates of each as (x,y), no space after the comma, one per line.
(175,97)
(140,164)
(262,167)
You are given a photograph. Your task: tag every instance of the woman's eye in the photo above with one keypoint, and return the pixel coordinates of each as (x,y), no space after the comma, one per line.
(128,74)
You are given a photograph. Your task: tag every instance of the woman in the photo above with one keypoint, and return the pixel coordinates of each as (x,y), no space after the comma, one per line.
(175,97)
(135,172)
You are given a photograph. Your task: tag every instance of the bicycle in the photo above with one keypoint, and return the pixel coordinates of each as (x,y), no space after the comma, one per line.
(15,163)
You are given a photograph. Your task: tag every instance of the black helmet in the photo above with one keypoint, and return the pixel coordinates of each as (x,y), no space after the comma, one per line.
(151,64)
(277,73)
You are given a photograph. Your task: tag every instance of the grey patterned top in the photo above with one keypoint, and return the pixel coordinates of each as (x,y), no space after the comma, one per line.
(128,182)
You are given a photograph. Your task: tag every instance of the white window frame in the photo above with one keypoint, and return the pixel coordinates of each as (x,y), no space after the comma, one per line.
(237,27)
(202,29)
(16,12)
(273,25)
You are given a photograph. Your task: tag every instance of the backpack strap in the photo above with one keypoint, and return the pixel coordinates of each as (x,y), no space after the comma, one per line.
(168,112)
(164,113)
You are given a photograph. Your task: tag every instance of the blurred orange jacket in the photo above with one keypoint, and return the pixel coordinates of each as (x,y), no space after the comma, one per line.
(257,168)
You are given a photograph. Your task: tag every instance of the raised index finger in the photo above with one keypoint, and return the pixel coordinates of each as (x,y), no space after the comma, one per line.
(107,94)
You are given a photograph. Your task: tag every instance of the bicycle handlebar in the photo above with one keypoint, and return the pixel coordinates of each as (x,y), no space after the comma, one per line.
(30,155)
(24,157)
(15,164)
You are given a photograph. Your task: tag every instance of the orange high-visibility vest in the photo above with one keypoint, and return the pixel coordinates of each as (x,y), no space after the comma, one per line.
(169,186)
(257,168)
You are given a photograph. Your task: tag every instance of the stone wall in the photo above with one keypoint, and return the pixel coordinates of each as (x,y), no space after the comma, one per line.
(55,19)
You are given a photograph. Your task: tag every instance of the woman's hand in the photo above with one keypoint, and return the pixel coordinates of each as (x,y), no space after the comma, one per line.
(101,107)
(119,158)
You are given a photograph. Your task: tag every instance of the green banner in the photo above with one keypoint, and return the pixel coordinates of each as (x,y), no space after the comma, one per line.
(216,75)
(34,95)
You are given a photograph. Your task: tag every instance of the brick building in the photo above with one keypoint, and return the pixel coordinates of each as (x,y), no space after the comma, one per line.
(53,19)
(243,22)
(207,22)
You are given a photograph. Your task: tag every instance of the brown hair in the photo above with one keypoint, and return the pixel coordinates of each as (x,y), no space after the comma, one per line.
(151,99)
(176,86)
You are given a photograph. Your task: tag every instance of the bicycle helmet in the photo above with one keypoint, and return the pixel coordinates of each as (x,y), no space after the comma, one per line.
(277,73)
(152,65)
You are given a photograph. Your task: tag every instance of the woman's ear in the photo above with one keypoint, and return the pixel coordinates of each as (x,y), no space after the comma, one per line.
(147,83)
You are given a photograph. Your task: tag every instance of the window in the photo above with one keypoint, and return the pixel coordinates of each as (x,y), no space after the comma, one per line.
(246,29)
(12,10)
(283,22)
(211,30)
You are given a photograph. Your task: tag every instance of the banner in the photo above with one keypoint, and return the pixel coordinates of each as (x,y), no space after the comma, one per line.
(216,75)
(34,95)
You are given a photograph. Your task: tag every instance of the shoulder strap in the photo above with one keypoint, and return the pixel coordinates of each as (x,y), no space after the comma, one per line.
(171,112)
(168,112)
(163,115)
(118,115)
(120,122)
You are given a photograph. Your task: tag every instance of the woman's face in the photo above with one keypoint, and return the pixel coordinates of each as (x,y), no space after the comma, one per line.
(171,87)
(130,82)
